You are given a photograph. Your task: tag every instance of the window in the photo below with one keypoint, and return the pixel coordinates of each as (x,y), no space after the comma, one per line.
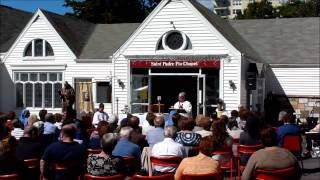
(38,48)
(104,90)
(236,2)
(38,89)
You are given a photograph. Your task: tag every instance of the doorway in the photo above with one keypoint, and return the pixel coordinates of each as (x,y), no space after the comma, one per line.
(168,87)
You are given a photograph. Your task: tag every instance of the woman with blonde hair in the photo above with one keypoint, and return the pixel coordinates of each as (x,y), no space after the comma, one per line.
(32,119)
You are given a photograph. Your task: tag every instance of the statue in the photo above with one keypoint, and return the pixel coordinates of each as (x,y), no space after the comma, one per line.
(67,94)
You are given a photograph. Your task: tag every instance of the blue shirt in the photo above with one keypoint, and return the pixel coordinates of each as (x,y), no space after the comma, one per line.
(155,135)
(286,129)
(49,128)
(126,148)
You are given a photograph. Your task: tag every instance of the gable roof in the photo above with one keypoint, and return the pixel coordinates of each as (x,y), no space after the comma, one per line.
(225,28)
(106,39)
(283,41)
(12,22)
(88,40)
(73,31)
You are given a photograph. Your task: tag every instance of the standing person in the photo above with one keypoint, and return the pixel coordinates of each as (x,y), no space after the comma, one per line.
(24,116)
(183,104)
(100,115)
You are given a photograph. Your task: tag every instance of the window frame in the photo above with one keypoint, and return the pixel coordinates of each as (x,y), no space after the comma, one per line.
(34,83)
(95,89)
(33,55)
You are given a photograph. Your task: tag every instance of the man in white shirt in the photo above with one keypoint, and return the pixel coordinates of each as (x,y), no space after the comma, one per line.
(183,104)
(168,147)
(100,115)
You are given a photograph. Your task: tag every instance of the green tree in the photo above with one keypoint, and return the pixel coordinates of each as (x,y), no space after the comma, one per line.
(111,11)
(298,8)
(257,10)
(294,8)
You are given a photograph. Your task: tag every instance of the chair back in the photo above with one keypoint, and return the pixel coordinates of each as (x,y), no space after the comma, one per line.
(131,164)
(292,143)
(10,177)
(160,177)
(276,174)
(113,177)
(32,163)
(166,160)
(94,151)
(249,149)
(211,176)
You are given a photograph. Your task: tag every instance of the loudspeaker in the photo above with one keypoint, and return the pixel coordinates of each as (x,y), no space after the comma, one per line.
(251,80)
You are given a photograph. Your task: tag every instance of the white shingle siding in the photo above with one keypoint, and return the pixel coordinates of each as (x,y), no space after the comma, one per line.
(299,81)
(204,39)
(42,29)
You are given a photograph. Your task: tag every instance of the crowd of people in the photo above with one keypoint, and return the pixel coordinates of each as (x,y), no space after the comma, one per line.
(58,138)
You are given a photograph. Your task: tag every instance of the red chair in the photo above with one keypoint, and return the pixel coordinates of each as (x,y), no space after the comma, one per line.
(160,177)
(131,163)
(293,144)
(113,177)
(10,177)
(211,176)
(32,163)
(276,174)
(166,160)
(226,165)
(246,149)
(94,151)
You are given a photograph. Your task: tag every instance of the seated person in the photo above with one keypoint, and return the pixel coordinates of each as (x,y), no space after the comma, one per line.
(167,147)
(200,164)
(271,157)
(104,164)
(221,141)
(233,129)
(148,124)
(287,128)
(251,136)
(9,163)
(203,125)
(17,131)
(124,147)
(96,135)
(314,135)
(66,152)
(186,137)
(156,134)
(28,146)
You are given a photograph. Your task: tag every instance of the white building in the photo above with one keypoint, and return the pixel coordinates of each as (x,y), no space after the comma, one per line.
(180,46)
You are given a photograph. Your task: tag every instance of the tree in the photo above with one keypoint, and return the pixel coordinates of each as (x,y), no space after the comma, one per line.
(297,8)
(111,11)
(294,8)
(257,10)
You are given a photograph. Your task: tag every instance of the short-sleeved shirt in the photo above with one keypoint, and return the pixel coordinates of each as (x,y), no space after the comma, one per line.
(155,135)
(62,152)
(126,148)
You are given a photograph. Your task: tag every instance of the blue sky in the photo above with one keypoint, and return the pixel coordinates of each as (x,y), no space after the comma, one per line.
(32,5)
(54,5)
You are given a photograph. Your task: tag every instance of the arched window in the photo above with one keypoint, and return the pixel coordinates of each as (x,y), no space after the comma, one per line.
(174,40)
(38,48)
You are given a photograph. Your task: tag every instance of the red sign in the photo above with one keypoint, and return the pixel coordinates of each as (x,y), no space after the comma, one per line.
(174,64)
